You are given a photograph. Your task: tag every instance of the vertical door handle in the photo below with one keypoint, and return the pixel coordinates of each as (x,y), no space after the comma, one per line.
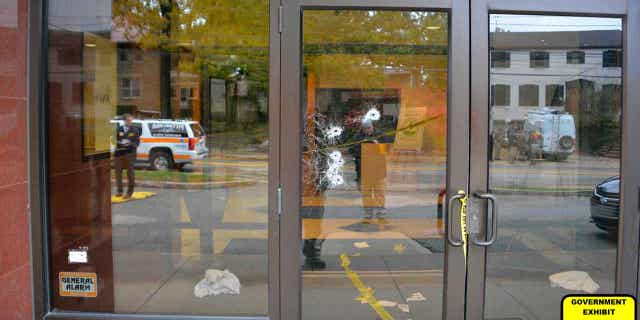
(449,217)
(494,220)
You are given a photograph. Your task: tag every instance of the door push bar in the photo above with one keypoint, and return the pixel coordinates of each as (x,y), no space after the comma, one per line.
(462,197)
(494,220)
(469,227)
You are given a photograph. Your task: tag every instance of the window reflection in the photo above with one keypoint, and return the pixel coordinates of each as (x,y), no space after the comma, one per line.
(374,108)
(554,162)
(158,140)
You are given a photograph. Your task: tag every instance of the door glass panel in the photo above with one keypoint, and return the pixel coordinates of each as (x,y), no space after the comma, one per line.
(374,163)
(189,235)
(554,163)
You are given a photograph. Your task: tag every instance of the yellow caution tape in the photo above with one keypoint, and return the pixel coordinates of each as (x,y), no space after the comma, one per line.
(366,293)
(463,223)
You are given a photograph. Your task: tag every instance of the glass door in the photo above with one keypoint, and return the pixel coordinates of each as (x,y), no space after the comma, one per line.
(375,138)
(548,157)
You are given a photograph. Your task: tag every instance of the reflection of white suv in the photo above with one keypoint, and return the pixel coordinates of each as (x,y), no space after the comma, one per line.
(557,132)
(166,144)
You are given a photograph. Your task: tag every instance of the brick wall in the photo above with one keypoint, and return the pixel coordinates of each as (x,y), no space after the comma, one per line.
(15,270)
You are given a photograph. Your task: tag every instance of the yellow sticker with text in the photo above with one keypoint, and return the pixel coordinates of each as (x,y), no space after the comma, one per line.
(598,307)
(78,284)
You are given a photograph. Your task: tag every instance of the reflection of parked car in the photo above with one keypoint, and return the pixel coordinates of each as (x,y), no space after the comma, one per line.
(557,132)
(605,205)
(166,144)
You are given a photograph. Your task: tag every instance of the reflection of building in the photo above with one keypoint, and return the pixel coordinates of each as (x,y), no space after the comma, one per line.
(527,72)
(139,83)
(409,88)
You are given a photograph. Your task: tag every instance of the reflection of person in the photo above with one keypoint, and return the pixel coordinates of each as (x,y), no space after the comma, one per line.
(128,139)
(371,173)
(513,145)
(535,146)
(314,187)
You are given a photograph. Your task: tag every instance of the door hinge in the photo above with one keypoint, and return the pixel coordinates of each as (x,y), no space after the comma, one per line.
(279,201)
(280,9)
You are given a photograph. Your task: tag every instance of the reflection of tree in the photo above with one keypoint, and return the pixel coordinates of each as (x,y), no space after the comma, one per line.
(368,50)
(362,43)
(227,34)
(222,38)
(375,27)
(222,34)
(597,116)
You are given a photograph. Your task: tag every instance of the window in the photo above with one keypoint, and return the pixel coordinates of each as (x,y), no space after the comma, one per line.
(124,55)
(186,102)
(500,95)
(612,59)
(197,129)
(186,94)
(610,99)
(554,95)
(129,55)
(539,59)
(529,95)
(187,228)
(129,88)
(138,55)
(500,59)
(565,126)
(575,57)
(347,102)
(67,56)
(136,125)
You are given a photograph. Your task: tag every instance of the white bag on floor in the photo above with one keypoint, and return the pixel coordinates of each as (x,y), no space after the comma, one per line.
(217,282)
(574,280)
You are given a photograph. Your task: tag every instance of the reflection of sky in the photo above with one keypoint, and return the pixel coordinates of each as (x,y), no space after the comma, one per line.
(521,23)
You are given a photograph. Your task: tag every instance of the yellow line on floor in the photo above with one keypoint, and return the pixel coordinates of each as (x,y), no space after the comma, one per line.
(240,209)
(190,239)
(190,242)
(184,212)
(366,293)
(222,237)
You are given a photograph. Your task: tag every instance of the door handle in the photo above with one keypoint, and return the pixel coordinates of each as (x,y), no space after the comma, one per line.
(449,218)
(494,220)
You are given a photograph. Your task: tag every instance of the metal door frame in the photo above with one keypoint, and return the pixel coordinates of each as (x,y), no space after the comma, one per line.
(629,11)
(457,140)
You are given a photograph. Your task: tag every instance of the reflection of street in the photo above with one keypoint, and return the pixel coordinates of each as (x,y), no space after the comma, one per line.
(540,236)
(578,173)
(164,244)
(177,234)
